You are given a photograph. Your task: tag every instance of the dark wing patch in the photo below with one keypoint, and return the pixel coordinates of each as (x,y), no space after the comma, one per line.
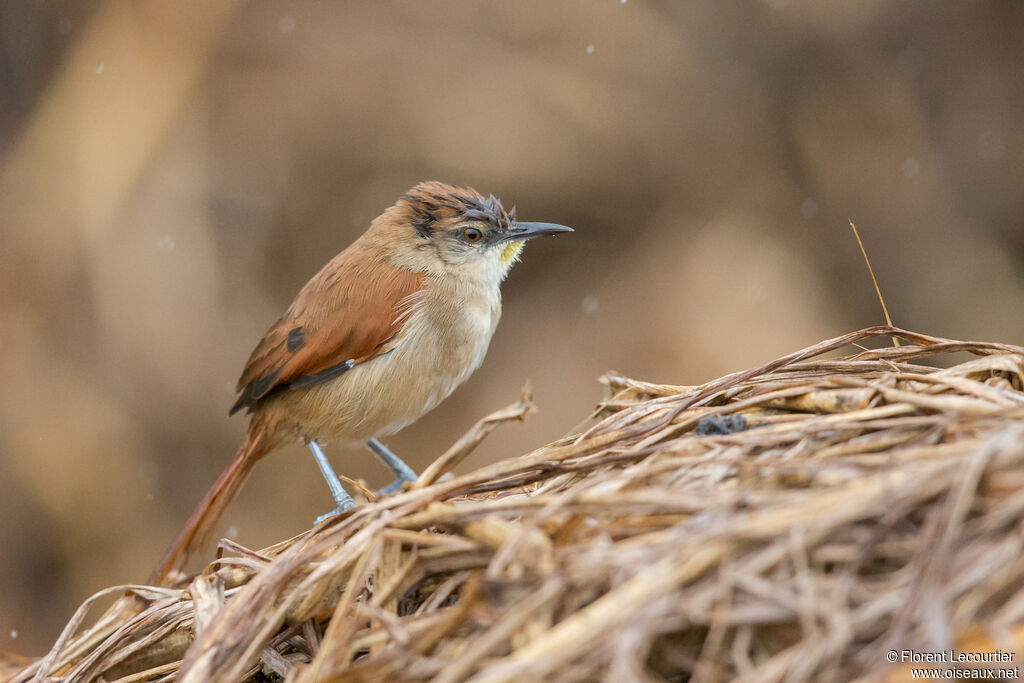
(253,391)
(331,326)
(295,339)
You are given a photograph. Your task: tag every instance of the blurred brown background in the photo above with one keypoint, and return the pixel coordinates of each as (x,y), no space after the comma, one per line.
(172,173)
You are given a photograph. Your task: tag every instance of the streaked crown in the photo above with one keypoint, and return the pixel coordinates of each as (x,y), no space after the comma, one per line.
(434,203)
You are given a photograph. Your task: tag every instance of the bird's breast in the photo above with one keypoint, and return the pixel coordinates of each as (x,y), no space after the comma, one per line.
(443,340)
(447,339)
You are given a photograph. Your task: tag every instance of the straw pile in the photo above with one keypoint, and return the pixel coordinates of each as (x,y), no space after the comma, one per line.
(873,502)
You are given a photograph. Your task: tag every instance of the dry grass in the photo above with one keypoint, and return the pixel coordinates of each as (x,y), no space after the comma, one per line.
(874,502)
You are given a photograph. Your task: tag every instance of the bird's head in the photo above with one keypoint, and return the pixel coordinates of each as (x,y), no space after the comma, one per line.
(457,229)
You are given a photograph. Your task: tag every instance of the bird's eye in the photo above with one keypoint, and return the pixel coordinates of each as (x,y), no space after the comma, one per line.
(472,235)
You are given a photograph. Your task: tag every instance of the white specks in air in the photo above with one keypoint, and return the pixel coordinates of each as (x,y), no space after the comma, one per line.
(232,532)
(590,49)
(910,168)
(100,68)
(64,26)
(286,24)
(809,208)
(14,634)
(165,244)
(149,497)
(589,304)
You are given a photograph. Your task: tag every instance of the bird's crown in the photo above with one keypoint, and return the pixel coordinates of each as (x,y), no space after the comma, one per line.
(432,202)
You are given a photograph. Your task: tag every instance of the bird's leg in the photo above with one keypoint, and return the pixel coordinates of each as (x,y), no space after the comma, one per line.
(341,497)
(403,472)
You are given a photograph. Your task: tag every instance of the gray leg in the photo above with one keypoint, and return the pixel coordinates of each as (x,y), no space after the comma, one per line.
(341,497)
(403,472)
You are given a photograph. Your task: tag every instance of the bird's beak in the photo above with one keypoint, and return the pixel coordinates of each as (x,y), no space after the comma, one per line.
(525,231)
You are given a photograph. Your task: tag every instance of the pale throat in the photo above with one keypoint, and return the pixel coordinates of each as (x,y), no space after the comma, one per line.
(510,253)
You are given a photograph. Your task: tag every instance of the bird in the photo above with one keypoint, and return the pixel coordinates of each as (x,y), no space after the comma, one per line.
(383,333)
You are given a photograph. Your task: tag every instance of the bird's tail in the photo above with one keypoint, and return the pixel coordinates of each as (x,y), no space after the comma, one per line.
(201,525)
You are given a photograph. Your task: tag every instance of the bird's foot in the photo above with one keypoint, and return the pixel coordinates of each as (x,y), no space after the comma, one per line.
(341,497)
(395,486)
(327,515)
(403,472)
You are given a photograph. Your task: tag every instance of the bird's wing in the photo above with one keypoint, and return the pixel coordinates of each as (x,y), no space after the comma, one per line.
(349,313)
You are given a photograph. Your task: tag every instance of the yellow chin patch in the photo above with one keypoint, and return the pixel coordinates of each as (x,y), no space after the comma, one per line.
(510,254)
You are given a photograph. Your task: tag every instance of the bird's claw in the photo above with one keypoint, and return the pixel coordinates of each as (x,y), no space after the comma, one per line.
(327,515)
(394,487)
